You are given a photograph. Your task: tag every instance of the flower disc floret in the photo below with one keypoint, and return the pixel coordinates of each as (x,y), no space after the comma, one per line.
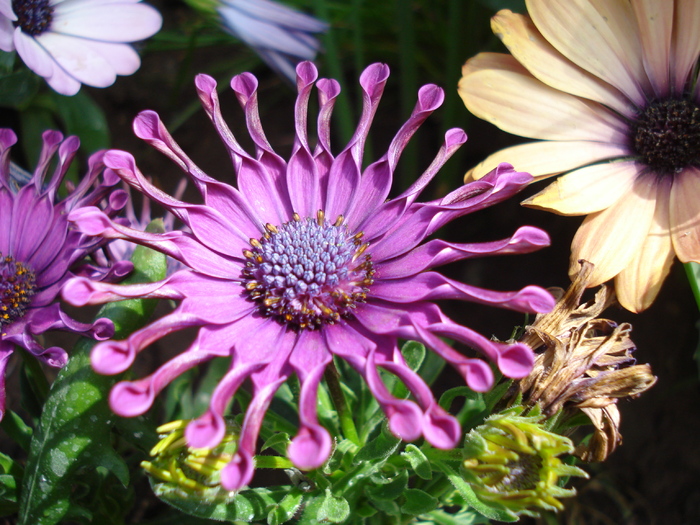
(33,16)
(304,260)
(666,135)
(308,272)
(17,286)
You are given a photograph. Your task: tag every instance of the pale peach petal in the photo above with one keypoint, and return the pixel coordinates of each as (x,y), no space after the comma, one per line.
(639,283)
(611,238)
(686,42)
(685,215)
(496,88)
(655,21)
(597,36)
(587,190)
(548,158)
(532,50)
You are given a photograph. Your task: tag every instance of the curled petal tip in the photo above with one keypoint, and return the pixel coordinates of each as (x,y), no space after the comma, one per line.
(430,97)
(478,375)
(244,85)
(130,399)
(204,83)
(121,160)
(147,125)
(310,448)
(238,473)
(441,430)
(537,299)
(516,361)
(306,73)
(207,431)
(112,357)
(455,137)
(103,329)
(78,291)
(405,420)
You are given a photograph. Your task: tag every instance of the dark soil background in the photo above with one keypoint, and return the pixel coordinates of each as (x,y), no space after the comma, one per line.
(654,477)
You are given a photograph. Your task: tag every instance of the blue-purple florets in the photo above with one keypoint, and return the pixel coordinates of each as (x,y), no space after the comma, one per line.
(307,272)
(33,16)
(17,286)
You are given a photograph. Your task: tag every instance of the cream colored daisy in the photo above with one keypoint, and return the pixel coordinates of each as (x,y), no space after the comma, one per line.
(609,87)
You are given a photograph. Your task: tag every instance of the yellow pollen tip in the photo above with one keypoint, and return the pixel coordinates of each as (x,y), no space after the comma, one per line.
(339,221)
(271,228)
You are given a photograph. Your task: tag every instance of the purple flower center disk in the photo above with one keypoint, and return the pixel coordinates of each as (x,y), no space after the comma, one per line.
(17,287)
(308,272)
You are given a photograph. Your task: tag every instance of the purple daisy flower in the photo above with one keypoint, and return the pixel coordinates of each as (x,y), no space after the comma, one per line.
(306,260)
(40,250)
(74,42)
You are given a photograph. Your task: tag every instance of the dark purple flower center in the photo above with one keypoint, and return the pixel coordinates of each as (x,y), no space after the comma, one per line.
(308,272)
(33,16)
(17,286)
(666,135)
(523,474)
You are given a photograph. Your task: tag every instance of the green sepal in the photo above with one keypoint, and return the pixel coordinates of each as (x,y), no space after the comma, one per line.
(389,489)
(287,508)
(417,502)
(278,442)
(491,512)
(419,462)
(334,509)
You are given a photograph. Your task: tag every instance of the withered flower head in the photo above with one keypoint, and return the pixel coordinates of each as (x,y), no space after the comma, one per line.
(584,362)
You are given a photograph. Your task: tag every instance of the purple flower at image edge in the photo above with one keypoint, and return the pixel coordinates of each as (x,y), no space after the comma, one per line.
(40,250)
(304,260)
(74,42)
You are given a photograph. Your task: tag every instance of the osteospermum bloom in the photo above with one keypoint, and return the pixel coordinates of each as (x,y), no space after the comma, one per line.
(305,260)
(281,36)
(40,250)
(74,42)
(611,86)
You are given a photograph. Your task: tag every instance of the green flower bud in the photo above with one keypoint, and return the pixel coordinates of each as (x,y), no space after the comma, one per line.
(512,461)
(189,471)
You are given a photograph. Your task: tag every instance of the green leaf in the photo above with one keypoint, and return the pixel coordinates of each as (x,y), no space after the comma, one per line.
(17,429)
(414,354)
(335,509)
(379,449)
(247,505)
(278,441)
(17,89)
(467,493)
(391,490)
(33,122)
(418,502)
(419,463)
(82,116)
(72,443)
(287,508)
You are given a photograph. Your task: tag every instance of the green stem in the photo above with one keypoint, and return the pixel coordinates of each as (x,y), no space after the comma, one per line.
(692,270)
(341,404)
(272,462)
(37,379)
